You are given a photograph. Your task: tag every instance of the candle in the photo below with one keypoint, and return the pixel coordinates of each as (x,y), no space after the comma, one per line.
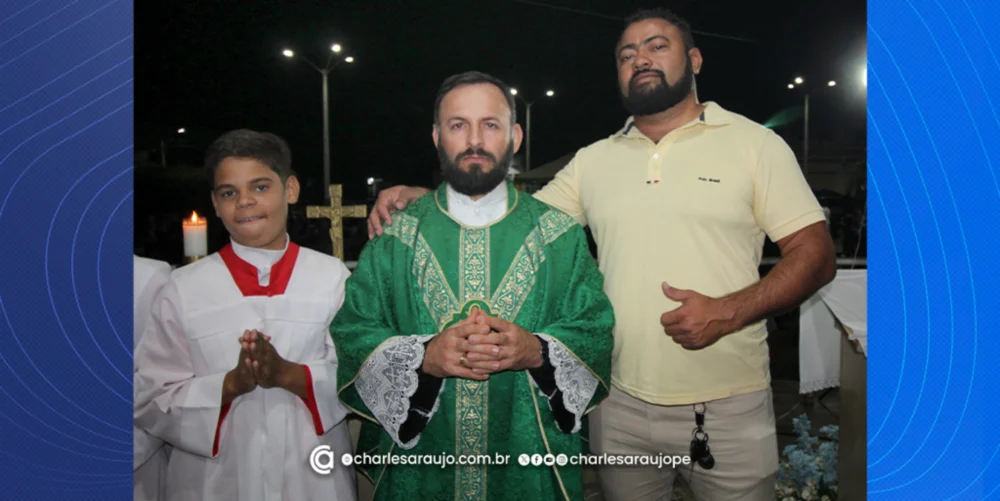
(195,236)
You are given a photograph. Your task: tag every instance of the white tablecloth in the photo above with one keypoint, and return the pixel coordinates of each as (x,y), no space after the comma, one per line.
(843,300)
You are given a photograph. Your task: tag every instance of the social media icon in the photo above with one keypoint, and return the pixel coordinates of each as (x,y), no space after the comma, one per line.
(536,459)
(549,460)
(347,459)
(523,460)
(321,460)
(561,460)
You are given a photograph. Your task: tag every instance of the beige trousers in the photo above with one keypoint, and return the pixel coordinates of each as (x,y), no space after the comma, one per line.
(742,439)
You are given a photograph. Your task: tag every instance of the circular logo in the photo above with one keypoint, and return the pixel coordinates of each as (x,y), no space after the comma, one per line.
(523,460)
(321,460)
(347,459)
(550,460)
(561,460)
(536,459)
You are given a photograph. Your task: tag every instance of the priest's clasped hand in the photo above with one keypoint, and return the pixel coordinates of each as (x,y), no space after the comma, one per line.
(699,321)
(446,354)
(507,347)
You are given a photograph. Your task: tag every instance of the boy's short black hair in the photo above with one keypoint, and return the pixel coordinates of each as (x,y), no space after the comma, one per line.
(666,15)
(471,78)
(264,147)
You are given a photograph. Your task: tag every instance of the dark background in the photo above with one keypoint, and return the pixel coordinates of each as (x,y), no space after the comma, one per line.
(214,66)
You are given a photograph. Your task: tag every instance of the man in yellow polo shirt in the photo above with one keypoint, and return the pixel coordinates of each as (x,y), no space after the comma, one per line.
(679,201)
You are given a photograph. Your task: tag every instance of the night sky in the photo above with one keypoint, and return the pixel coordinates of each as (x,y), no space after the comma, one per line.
(214,66)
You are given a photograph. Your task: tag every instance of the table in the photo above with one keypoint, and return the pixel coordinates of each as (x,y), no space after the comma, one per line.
(835,311)
(833,352)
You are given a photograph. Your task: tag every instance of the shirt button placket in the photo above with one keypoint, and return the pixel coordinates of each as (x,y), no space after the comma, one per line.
(653,172)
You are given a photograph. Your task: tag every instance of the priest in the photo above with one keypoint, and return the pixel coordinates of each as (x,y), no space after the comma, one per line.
(477,326)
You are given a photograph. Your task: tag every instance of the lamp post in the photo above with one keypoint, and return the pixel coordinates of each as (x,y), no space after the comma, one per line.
(331,64)
(527,120)
(163,148)
(373,186)
(800,82)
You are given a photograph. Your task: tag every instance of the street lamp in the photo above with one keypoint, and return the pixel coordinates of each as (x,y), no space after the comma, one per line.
(805,121)
(331,63)
(181,130)
(527,105)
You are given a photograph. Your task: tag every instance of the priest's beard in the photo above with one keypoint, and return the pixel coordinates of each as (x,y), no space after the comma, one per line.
(478,180)
(650,99)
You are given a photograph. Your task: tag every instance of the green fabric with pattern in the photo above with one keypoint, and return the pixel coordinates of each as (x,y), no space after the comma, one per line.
(532,267)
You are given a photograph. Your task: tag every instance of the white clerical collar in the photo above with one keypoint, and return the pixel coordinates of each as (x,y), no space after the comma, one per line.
(262,259)
(485,211)
(494,197)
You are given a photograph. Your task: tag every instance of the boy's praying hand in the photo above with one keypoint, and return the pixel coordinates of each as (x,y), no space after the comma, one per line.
(269,369)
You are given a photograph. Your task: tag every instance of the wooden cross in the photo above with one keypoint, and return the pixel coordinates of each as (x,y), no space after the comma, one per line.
(335,213)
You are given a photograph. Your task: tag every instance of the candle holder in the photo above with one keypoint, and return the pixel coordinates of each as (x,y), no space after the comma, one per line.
(191,259)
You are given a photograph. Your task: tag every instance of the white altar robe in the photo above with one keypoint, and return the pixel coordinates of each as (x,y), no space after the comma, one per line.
(256,448)
(150,454)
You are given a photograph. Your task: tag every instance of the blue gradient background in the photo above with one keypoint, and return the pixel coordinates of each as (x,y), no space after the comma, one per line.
(66,108)
(66,212)
(934,220)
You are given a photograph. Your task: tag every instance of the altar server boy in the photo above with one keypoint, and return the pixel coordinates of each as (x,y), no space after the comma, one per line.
(237,369)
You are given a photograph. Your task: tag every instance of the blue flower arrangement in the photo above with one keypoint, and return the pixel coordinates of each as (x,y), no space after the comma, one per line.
(808,471)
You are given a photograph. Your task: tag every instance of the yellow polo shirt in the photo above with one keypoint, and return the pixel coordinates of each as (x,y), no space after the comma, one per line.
(691,210)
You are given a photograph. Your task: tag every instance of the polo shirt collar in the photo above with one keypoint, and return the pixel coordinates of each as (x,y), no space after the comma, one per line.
(713,114)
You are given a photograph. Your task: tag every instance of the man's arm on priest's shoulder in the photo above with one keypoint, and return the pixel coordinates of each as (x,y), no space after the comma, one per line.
(563,192)
(389,201)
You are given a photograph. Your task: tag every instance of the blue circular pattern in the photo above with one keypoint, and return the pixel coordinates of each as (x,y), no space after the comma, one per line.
(934,207)
(66,180)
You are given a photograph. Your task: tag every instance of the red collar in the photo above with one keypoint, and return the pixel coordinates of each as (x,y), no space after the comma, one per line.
(245,274)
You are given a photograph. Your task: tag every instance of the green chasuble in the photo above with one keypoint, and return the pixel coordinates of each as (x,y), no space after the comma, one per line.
(427,272)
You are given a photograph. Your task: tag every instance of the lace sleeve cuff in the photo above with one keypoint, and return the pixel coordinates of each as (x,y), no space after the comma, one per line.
(575,384)
(388,380)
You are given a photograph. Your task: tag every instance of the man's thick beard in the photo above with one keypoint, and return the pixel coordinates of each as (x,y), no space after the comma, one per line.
(476,181)
(645,101)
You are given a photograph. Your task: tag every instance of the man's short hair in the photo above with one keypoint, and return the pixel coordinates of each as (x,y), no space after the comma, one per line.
(263,147)
(473,78)
(666,15)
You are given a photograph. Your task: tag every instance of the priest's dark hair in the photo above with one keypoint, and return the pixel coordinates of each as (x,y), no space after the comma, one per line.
(473,78)
(666,15)
(264,147)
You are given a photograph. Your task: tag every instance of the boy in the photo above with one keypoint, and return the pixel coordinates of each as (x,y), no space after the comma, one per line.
(237,369)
